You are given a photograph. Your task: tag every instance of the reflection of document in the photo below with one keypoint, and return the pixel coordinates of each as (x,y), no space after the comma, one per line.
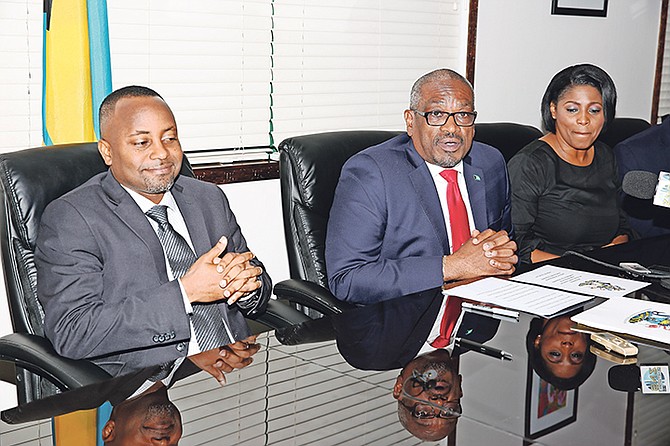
(640,318)
(518,296)
(580,281)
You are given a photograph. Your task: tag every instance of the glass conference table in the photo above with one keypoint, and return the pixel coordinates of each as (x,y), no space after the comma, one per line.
(309,394)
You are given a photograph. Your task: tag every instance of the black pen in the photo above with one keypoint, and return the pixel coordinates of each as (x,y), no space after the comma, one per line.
(481,348)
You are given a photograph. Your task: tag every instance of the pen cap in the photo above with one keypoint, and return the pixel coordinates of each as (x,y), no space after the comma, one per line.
(624,378)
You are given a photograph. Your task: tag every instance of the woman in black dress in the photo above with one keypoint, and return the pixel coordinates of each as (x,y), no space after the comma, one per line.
(565,185)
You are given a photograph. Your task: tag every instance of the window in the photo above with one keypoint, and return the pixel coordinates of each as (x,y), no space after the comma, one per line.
(249,73)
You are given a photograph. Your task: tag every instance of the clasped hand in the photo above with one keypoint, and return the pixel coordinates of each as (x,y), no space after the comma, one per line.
(487,253)
(212,278)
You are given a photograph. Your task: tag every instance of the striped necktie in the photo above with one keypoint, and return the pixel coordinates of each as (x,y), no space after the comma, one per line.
(208,324)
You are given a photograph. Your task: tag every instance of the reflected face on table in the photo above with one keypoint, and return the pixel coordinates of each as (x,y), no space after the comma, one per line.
(148,419)
(562,350)
(429,391)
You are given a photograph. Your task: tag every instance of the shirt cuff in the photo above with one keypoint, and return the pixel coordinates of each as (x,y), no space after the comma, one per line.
(187,303)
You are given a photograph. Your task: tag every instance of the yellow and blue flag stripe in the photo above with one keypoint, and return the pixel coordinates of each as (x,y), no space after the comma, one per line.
(76,69)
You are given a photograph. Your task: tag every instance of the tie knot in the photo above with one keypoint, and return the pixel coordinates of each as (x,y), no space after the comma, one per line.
(158,213)
(450,175)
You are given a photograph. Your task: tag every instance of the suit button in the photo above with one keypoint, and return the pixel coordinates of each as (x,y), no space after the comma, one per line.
(155,338)
(173,335)
(181,346)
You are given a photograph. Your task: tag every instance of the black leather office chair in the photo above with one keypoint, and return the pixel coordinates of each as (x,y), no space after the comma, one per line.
(507,137)
(310,168)
(622,128)
(30,180)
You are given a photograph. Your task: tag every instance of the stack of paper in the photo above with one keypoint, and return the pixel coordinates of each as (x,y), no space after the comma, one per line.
(547,290)
(639,318)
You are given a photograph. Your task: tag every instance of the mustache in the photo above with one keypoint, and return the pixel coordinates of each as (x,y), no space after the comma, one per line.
(450,136)
(156,166)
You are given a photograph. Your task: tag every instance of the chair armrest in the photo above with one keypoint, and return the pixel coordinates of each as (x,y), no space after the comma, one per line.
(36,354)
(310,295)
(310,331)
(279,315)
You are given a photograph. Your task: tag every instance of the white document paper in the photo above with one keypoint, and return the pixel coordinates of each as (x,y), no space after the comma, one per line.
(580,281)
(518,296)
(644,319)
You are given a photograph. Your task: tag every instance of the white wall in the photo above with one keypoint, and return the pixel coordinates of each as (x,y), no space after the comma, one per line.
(520,46)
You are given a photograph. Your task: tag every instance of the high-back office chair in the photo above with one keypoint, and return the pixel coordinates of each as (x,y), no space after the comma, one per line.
(29,181)
(622,128)
(310,168)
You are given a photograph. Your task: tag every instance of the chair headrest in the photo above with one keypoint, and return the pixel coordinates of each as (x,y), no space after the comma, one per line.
(32,178)
(316,162)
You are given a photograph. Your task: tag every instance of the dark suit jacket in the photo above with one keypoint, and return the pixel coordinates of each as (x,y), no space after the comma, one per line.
(389,334)
(386,230)
(102,276)
(650,151)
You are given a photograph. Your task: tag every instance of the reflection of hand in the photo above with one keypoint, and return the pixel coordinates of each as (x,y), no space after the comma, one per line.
(487,253)
(619,239)
(225,359)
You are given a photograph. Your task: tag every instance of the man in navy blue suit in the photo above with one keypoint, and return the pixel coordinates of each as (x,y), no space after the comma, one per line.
(648,151)
(387,235)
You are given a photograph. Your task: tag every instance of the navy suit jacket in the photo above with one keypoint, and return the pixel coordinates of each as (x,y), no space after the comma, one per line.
(386,231)
(389,334)
(650,151)
(103,281)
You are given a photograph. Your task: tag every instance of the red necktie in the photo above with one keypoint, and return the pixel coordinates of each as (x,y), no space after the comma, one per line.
(458,215)
(451,315)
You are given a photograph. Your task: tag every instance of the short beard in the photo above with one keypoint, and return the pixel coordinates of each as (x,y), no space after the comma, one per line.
(157,186)
(449,162)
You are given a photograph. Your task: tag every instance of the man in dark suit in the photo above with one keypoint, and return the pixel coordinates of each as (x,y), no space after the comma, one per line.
(109,290)
(648,150)
(387,235)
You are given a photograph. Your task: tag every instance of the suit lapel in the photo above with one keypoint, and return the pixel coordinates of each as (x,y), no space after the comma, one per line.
(130,214)
(429,202)
(194,218)
(476,184)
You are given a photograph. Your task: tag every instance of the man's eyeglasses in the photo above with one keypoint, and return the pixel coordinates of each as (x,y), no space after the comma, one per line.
(418,383)
(438,118)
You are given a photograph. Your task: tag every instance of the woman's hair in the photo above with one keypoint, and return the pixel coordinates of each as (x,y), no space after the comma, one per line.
(538,365)
(584,74)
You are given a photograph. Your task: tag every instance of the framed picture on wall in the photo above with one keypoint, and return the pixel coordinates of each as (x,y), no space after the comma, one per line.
(593,8)
(547,408)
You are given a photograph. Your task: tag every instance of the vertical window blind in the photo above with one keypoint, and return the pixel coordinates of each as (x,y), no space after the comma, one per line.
(210,59)
(351,64)
(664,95)
(249,73)
(20,74)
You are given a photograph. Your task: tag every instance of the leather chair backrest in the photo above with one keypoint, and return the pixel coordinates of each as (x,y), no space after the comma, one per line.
(622,128)
(310,168)
(507,137)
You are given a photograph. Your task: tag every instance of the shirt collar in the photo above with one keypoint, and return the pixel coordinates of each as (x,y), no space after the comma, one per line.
(435,170)
(145,204)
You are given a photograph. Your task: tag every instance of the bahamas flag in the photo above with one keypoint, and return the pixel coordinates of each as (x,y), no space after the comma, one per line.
(76,69)
(76,78)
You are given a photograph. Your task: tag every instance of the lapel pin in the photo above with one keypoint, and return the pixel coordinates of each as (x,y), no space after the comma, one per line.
(476,177)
